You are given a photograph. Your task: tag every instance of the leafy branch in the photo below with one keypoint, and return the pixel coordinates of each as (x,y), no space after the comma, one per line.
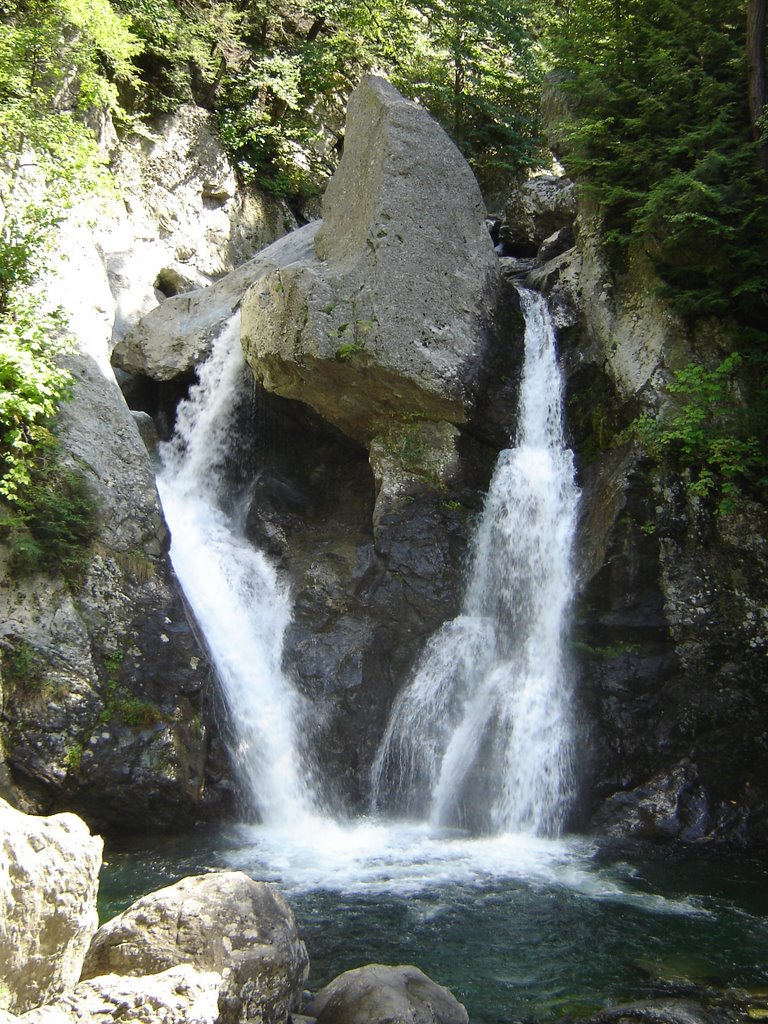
(707,434)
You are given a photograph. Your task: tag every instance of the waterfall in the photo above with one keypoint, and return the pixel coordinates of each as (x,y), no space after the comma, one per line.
(237,598)
(482,737)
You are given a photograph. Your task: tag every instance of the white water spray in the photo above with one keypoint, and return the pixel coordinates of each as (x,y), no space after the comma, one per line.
(233,590)
(482,737)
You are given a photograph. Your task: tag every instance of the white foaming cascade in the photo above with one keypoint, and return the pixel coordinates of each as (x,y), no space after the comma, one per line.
(235,594)
(482,737)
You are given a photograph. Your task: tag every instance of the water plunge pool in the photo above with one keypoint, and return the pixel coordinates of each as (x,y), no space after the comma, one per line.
(518,928)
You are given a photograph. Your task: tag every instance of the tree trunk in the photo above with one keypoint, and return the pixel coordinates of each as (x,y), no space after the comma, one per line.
(756,82)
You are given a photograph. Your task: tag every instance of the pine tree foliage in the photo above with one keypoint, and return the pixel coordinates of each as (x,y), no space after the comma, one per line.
(659,134)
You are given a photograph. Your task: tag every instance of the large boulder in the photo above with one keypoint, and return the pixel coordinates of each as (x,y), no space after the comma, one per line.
(49,871)
(391,320)
(378,993)
(223,922)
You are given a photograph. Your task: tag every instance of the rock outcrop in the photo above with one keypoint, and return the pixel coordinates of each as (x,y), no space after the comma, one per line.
(103,677)
(377,993)
(400,358)
(542,207)
(49,876)
(398,332)
(176,336)
(223,922)
(185,221)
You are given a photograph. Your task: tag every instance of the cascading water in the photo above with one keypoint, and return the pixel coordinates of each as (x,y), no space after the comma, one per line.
(480,739)
(237,599)
(483,737)
(521,924)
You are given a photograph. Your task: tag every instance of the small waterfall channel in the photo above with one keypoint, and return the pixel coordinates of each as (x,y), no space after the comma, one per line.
(483,735)
(237,598)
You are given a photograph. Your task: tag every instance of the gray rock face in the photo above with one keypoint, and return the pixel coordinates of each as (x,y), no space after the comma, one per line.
(49,872)
(180,995)
(538,209)
(393,315)
(223,922)
(103,677)
(184,213)
(176,336)
(378,993)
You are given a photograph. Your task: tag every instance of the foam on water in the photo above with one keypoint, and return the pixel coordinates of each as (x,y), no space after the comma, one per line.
(408,859)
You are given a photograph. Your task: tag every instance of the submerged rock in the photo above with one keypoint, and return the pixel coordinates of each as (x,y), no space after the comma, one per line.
(661,1011)
(49,877)
(378,993)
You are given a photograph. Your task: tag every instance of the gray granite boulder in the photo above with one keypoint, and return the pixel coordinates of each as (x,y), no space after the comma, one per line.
(49,871)
(379,993)
(223,922)
(391,318)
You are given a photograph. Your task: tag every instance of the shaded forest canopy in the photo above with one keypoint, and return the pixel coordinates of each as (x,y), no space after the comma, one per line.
(665,132)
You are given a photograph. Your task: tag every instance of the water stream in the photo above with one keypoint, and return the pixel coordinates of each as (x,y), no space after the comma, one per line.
(483,736)
(240,604)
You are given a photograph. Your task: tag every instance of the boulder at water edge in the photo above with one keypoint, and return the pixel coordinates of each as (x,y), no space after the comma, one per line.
(49,870)
(223,922)
(379,993)
(180,995)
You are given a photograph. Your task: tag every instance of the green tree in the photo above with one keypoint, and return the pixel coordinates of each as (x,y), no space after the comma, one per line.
(659,133)
(303,61)
(476,68)
(59,59)
(757,89)
(661,138)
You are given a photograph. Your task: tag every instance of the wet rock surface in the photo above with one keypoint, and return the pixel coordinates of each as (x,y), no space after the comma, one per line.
(367,591)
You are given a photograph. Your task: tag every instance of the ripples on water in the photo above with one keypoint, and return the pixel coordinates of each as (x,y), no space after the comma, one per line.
(518,927)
